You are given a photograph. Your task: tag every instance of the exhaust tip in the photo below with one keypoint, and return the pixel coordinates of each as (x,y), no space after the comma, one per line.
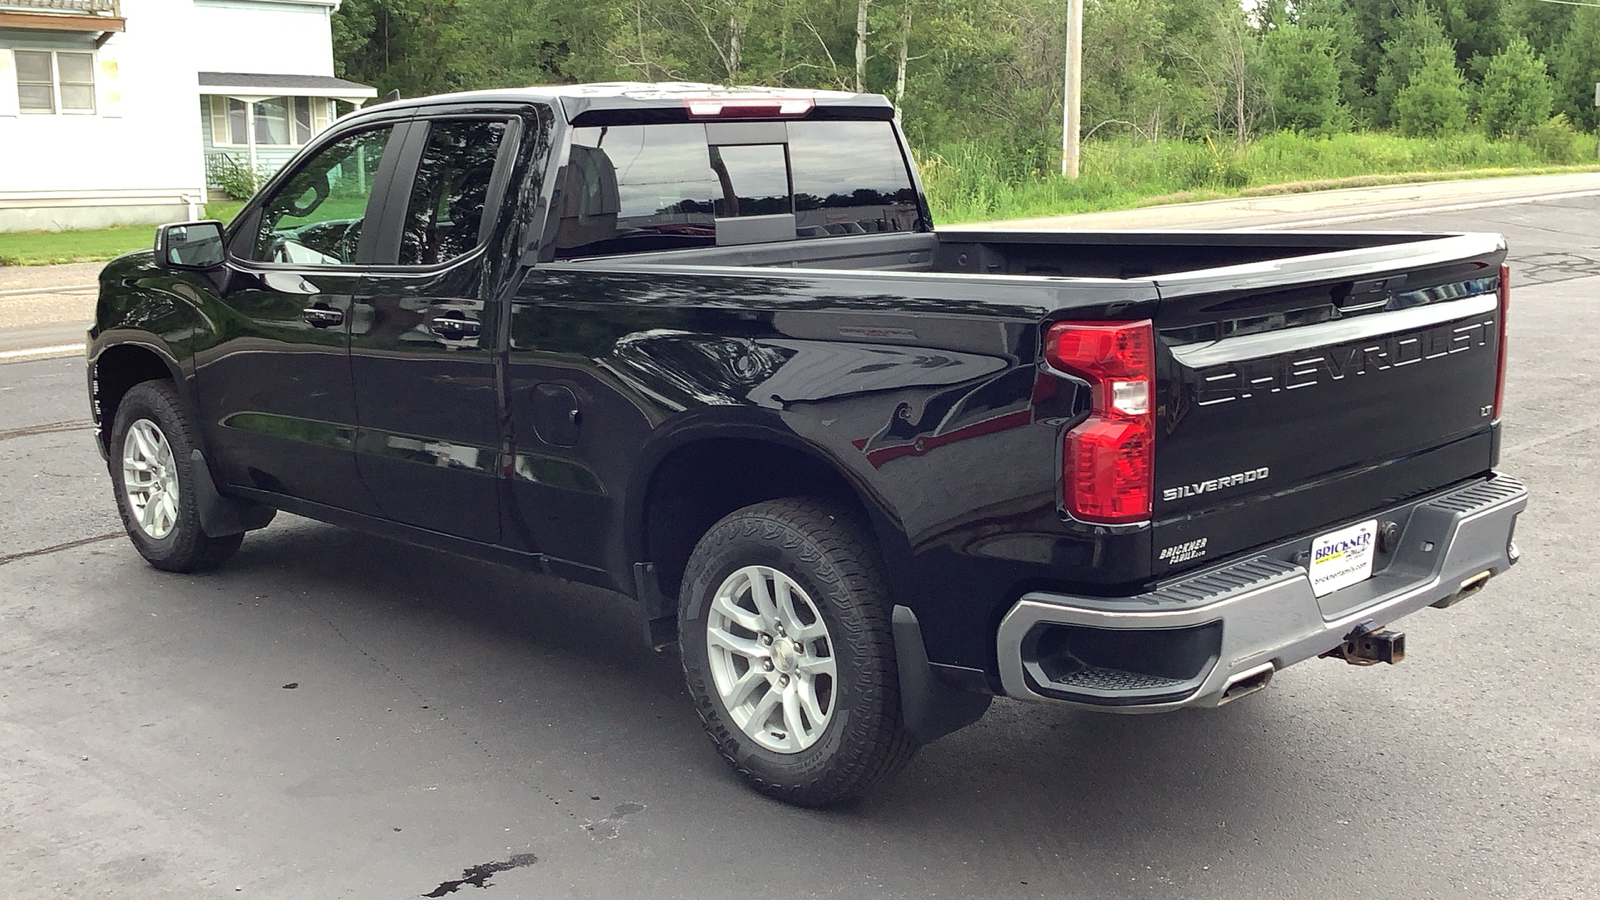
(1247,683)
(1468,587)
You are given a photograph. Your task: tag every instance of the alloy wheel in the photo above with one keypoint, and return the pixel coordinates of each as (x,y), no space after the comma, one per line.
(771,658)
(150,479)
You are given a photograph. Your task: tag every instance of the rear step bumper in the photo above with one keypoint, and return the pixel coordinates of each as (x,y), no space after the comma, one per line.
(1208,638)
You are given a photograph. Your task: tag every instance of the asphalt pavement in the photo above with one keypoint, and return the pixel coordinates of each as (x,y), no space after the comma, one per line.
(335,715)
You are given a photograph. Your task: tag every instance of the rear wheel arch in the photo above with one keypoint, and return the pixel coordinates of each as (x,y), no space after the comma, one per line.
(697,482)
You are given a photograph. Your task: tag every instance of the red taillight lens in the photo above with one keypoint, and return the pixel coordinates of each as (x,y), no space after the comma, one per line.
(1505,311)
(1108,460)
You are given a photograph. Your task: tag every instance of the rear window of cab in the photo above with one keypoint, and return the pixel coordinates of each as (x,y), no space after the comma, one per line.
(638,188)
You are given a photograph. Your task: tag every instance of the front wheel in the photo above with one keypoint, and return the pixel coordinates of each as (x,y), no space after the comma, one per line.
(153,472)
(784,630)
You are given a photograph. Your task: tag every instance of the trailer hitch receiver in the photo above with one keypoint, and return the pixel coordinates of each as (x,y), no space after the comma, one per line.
(1364,646)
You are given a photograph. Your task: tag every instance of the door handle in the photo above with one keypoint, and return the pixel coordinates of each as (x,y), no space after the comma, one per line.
(452,328)
(322,316)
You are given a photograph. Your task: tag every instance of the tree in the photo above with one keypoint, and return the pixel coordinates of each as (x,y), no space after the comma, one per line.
(1478,29)
(1577,68)
(1337,22)
(1302,71)
(1434,100)
(1123,84)
(1517,91)
(1411,37)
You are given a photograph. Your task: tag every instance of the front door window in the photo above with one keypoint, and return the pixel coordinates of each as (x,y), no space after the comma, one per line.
(314,218)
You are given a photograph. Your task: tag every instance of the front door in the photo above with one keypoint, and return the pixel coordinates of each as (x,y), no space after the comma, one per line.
(274,372)
(422,346)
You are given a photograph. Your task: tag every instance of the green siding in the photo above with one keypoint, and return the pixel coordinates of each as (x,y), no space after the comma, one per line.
(269,158)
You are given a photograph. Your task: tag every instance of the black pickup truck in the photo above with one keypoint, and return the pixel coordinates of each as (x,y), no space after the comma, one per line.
(704,347)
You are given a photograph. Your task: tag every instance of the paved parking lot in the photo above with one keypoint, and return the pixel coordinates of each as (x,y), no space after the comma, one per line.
(335,715)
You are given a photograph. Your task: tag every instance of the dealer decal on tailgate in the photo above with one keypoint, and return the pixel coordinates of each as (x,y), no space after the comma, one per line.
(1342,558)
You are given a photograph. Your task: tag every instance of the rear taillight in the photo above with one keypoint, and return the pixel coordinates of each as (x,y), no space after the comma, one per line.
(1108,460)
(1505,311)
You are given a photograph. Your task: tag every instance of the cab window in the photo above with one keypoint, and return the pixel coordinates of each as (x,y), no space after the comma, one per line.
(445,213)
(636,188)
(314,218)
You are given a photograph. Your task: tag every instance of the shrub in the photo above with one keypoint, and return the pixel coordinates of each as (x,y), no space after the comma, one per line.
(1556,141)
(233,176)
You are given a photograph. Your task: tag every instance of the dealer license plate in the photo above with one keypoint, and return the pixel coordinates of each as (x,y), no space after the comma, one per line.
(1344,557)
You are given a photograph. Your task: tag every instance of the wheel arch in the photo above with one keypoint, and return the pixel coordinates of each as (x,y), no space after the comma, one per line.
(703,473)
(117,368)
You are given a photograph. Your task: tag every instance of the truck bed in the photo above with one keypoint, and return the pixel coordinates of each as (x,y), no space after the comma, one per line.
(1051,254)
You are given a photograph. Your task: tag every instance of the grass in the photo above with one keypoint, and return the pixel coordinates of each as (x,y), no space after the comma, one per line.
(975,182)
(39,248)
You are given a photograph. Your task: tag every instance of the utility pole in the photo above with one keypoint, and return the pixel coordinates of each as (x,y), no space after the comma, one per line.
(1071,123)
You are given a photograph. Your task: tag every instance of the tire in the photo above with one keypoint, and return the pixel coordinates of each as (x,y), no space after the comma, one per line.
(830,649)
(152,430)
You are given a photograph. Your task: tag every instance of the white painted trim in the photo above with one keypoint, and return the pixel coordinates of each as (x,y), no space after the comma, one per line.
(241,91)
(9,101)
(257,4)
(62,199)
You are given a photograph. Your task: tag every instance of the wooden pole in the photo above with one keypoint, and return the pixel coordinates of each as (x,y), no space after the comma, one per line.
(1071,123)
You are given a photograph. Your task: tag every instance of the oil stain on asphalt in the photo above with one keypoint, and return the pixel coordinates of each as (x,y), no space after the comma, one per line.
(479,875)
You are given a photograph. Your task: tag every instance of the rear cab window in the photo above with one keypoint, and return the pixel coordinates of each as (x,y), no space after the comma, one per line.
(639,188)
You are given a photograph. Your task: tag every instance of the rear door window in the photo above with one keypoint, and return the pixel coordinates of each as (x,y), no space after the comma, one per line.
(444,217)
(637,188)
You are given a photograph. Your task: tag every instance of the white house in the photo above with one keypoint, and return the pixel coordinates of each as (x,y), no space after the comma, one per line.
(115,111)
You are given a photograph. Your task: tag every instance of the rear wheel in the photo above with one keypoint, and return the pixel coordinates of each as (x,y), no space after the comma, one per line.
(152,469)
(784,628)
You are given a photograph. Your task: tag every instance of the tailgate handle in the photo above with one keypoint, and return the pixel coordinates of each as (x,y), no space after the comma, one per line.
(1361,296)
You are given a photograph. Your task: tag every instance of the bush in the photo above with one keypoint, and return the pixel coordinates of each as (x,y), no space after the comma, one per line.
(233,176)
(1557,142)
(1434,100)
(1517,91)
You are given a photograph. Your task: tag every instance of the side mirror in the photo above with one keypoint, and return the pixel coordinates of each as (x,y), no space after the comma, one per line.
(190,245)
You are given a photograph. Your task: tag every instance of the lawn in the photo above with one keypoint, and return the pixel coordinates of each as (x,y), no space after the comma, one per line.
(37,248)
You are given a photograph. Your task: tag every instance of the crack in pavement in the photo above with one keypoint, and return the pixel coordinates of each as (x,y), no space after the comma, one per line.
(49,428)
(13,557)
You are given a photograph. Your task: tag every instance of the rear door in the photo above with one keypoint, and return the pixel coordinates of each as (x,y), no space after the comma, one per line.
(424,331)
(1300,395)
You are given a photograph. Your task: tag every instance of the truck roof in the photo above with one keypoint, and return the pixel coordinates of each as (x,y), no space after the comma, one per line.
(619,102)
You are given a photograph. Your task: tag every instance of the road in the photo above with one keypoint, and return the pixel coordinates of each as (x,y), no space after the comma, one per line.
(334,715)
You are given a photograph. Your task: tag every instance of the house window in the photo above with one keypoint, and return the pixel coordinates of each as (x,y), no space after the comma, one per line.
(50,81)
(279,121)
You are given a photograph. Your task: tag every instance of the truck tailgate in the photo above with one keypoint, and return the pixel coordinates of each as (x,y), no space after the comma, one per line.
(1297,396)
